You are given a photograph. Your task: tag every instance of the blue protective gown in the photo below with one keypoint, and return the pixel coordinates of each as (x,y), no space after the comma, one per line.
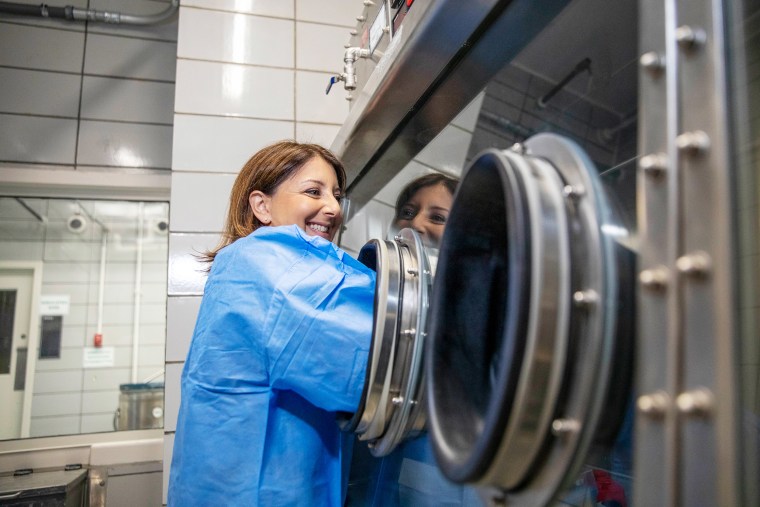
(281,343)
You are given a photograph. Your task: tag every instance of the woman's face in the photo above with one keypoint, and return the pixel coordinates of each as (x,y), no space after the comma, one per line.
(426,212)
(310,199)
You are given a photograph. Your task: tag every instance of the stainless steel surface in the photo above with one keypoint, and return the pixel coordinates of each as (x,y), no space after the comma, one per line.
(370,421)
(709,298)
(392,405)
(536,401)
(657,341)
(409,97)
(141,407)
(98,486)
(684,115)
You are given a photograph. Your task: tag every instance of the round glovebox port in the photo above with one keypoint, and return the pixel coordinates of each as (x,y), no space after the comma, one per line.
(474,352)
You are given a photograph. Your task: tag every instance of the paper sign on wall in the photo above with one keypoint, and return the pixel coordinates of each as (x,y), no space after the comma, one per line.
(54,304)
(101,357)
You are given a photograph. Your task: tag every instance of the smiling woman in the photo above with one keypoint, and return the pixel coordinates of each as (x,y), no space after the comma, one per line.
(273,174)
(280,345)
(310,199)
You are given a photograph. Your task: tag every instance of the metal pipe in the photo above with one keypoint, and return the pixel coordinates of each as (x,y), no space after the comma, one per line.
(581,66)
(138,295)
(72,13)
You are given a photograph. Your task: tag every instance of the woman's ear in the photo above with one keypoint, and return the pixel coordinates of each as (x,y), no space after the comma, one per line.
(260,205)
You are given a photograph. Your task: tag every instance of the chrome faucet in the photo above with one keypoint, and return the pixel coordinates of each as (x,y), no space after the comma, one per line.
(348,76)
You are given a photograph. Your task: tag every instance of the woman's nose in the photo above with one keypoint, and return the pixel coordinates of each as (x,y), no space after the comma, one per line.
(332,205)
(418,224)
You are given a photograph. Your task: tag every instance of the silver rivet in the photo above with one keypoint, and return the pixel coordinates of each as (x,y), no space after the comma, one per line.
(654,164)
(694,264)
(386,29)
(696,142)
(399,239)
(518,148)
(585,298)
(655,278)
(573,192)
(654,404)
(689,37)
(347,45)
(562,427)
(397,400)
(361,18)
(353,32)
(368,2)
(652,62)
(409,332)
(697,402)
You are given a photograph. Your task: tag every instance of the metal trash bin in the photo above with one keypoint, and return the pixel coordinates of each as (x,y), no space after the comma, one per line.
(59,488)
(141,406)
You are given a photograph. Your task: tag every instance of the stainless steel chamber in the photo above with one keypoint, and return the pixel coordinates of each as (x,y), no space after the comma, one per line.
(531,322)
(593,333)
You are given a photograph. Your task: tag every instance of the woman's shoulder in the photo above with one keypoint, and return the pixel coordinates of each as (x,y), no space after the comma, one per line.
(280,247)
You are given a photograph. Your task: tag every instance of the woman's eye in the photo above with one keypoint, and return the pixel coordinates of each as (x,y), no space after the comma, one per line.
(312,191)
(438,219)
(407,214)
(339,197)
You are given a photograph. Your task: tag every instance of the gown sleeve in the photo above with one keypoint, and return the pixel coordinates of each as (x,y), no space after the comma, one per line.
(319,329)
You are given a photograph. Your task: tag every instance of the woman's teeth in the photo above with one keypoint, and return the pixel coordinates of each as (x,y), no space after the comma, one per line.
(318,228)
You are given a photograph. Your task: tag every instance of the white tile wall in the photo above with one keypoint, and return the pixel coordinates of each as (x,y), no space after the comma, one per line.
(58,425)
(186,273)
(220,144)
(228,89)
(332,12)
(57,70)
(316,133)
(127,100)
(94,423)
(320,47)
(180,318)
(372,221)
(40,48)
(276,8)
(447,151)
(35,139)
(124,144)
(29,92)
(189,189)
(171,407)
(235,38)
(58,382)
(313,105)
(108,55)
(105,379)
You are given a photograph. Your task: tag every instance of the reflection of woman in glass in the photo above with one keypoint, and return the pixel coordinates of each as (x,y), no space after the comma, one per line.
(424,205)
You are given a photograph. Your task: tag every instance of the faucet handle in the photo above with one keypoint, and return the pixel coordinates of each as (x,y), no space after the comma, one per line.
(333,80)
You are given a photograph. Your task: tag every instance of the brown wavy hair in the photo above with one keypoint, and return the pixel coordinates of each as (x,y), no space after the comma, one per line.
(265,171)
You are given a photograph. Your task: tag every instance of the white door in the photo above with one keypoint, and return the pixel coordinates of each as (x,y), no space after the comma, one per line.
(15,316)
